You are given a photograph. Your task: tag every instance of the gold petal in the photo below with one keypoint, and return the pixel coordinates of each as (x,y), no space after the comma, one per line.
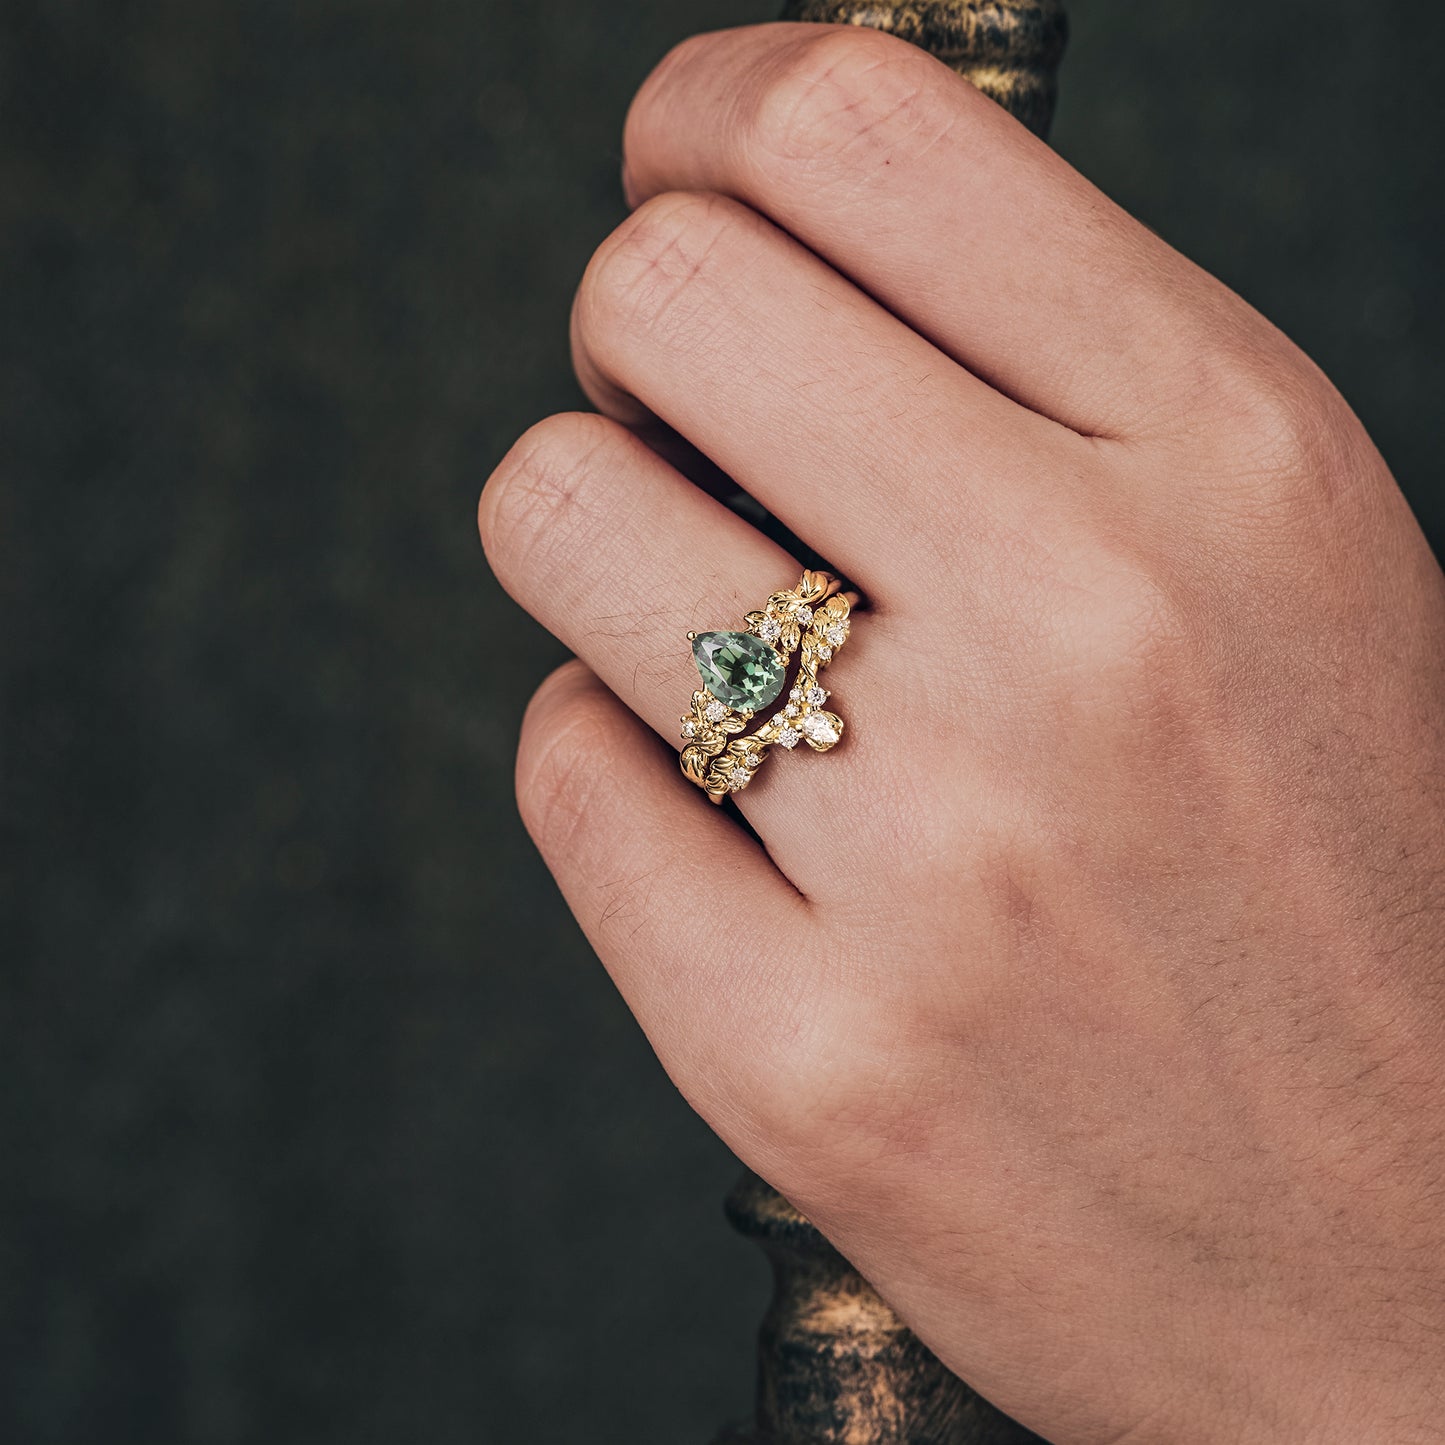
(814,584)
(695,763)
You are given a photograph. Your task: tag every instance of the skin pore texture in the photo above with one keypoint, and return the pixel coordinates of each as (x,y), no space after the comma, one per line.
(1090,996)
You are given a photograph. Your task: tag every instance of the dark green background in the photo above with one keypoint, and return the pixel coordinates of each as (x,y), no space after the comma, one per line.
(319,1122)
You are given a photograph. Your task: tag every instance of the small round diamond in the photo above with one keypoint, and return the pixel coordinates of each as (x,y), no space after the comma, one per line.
(837,633)
(755,760)
(791,710)
(790,737)
(805,615)
(796,693)
(825,654)
(817,696)
(689,729)
(770,629)
(716,712)
(739,778)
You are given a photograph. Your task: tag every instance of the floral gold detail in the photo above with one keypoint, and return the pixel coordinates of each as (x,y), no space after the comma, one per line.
(743,677)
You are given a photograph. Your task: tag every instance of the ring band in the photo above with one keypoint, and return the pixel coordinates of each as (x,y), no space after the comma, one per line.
(744,673)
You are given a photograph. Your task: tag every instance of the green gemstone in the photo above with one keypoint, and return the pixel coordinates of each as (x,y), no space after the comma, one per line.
(738,669)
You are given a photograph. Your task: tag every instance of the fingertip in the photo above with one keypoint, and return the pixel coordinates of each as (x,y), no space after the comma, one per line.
(563,688)
(559,732)
(630,194)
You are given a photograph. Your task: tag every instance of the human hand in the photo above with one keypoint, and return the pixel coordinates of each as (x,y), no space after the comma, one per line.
(1089,995)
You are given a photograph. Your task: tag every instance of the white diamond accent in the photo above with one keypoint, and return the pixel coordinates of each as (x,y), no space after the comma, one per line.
(739,778)
(791,710)
(790,737)
(825,654)
(837,634)
(817,696)
(796,693)
(819,729)
(805,615)
(755,760)
(689,729)
(716,712)
(770,629)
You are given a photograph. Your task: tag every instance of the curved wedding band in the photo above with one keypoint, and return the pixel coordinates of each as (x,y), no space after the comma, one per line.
(744,673)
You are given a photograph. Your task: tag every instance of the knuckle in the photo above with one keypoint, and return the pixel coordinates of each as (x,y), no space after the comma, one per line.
(531,499)
(555,757)
(1283,425)
(1279,464)
(646,274)
(846,92)
(837,1107)
(676,61)
(1280,418)
(1117,629)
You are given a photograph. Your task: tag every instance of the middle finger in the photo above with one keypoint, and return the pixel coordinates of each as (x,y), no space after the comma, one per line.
(860,435)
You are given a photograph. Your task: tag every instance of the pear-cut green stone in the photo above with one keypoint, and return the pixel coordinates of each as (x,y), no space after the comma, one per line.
(738,669)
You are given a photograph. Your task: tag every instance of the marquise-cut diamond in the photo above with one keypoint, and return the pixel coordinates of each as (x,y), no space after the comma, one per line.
(738,669)
(819,728)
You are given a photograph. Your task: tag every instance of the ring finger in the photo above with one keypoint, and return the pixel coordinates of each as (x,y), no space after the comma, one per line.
(619,556)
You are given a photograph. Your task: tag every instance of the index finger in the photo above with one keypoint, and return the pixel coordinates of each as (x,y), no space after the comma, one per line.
(933,199)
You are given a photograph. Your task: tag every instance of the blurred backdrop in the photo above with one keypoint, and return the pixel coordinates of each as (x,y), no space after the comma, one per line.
(319,1122)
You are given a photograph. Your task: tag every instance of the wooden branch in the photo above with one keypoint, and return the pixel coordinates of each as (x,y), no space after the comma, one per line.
(836,1366)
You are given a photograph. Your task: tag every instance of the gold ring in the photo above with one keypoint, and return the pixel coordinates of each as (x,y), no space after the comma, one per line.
(744,673)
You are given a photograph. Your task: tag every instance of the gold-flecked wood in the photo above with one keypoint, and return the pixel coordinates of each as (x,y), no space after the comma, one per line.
(1009,49)
(836,1366)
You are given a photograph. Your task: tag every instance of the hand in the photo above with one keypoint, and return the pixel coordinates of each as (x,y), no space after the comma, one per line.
(1089,995)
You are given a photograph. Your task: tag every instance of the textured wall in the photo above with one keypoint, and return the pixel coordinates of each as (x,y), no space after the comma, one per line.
(318,1122)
